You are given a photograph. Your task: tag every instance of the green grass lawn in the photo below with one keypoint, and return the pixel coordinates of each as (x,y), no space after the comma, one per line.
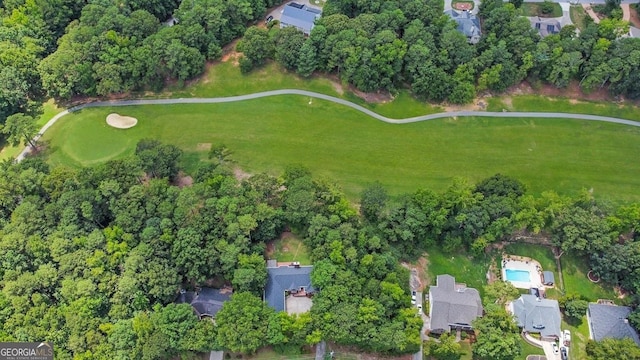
(528,349)
(471,271)
(466,348)
(547,104)
(574,271)
(578,16)
(355,150)
(290,248)
(579,338)
(225,79)
(533,9)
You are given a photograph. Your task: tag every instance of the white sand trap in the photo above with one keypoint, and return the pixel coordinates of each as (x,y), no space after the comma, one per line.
(121,122)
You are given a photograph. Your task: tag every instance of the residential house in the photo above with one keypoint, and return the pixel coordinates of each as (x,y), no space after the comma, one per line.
(289,287)
(206,302)
(468,24)
(538,316)
(299,16)
(610,321)
(545,26)
(453,306)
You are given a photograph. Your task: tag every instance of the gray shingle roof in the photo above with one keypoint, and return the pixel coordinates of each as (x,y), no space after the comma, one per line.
(468,23)
(206,302)
(610,321)
(537,315)
(283,278)
(451,306)
(302,18)
(548,277)
(545,26)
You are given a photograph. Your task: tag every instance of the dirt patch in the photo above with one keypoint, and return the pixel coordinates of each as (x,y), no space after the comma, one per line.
(337,87)
(183,180)
(463,6)
(634,18)
(572,91)
(203,146)
(240,174)
(121,122)
(418,273)
(379,97)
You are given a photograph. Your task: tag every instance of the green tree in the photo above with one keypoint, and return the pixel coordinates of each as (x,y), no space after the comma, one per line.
(606,349)
(247,312)
(498,337)
(288,45)
(500,292)
(373,201)
(446,349)
(256,47)
(20,128)
(307,61)
(251,274)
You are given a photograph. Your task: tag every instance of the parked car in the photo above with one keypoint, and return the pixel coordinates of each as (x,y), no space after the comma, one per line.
(563,353)
(268,19)
(419,308)
(567,337)
(413,298)
(555,348)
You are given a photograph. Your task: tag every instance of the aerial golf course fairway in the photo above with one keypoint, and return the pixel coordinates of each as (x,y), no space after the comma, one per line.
(354,150)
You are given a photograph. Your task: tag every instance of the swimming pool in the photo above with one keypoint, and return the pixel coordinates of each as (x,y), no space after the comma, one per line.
(517,275)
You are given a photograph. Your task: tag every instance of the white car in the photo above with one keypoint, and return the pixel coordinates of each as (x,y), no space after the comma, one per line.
(555,348)
(567,337)
(419,308)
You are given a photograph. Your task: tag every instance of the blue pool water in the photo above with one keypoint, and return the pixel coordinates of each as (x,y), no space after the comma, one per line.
(517,275)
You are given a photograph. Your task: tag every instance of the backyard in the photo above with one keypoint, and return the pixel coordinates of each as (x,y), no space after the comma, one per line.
(541,9)
(289,248)
(466,269)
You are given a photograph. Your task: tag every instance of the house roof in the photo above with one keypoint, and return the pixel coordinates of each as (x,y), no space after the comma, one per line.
(453,304)
(548,277)
(536,315)
(545,26)
(300,17)
(610,321)
(206,302)
(283,278)
(468,23)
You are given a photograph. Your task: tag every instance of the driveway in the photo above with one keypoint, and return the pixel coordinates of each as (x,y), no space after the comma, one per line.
(548,350)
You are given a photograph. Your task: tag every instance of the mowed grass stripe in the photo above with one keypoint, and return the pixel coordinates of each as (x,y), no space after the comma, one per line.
(355,150)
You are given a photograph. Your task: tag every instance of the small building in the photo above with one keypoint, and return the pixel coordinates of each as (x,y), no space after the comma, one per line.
(545,26)
(289,287)
(453,306)
(610,321)
(302,17)
(537,316)
(206,302)
(547,278)
(468,24)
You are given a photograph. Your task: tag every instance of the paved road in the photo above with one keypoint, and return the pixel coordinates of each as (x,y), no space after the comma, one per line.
(218,100)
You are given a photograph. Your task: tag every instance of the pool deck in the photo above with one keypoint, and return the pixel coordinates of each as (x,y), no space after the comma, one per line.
(523,263)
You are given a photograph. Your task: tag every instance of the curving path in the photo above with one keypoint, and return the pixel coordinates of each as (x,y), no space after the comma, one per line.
(334,99)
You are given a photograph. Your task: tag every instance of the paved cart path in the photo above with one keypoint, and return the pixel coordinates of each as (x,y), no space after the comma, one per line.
(218,100)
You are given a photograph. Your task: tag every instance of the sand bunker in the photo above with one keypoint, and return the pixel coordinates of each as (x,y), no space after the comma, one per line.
(121,122)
